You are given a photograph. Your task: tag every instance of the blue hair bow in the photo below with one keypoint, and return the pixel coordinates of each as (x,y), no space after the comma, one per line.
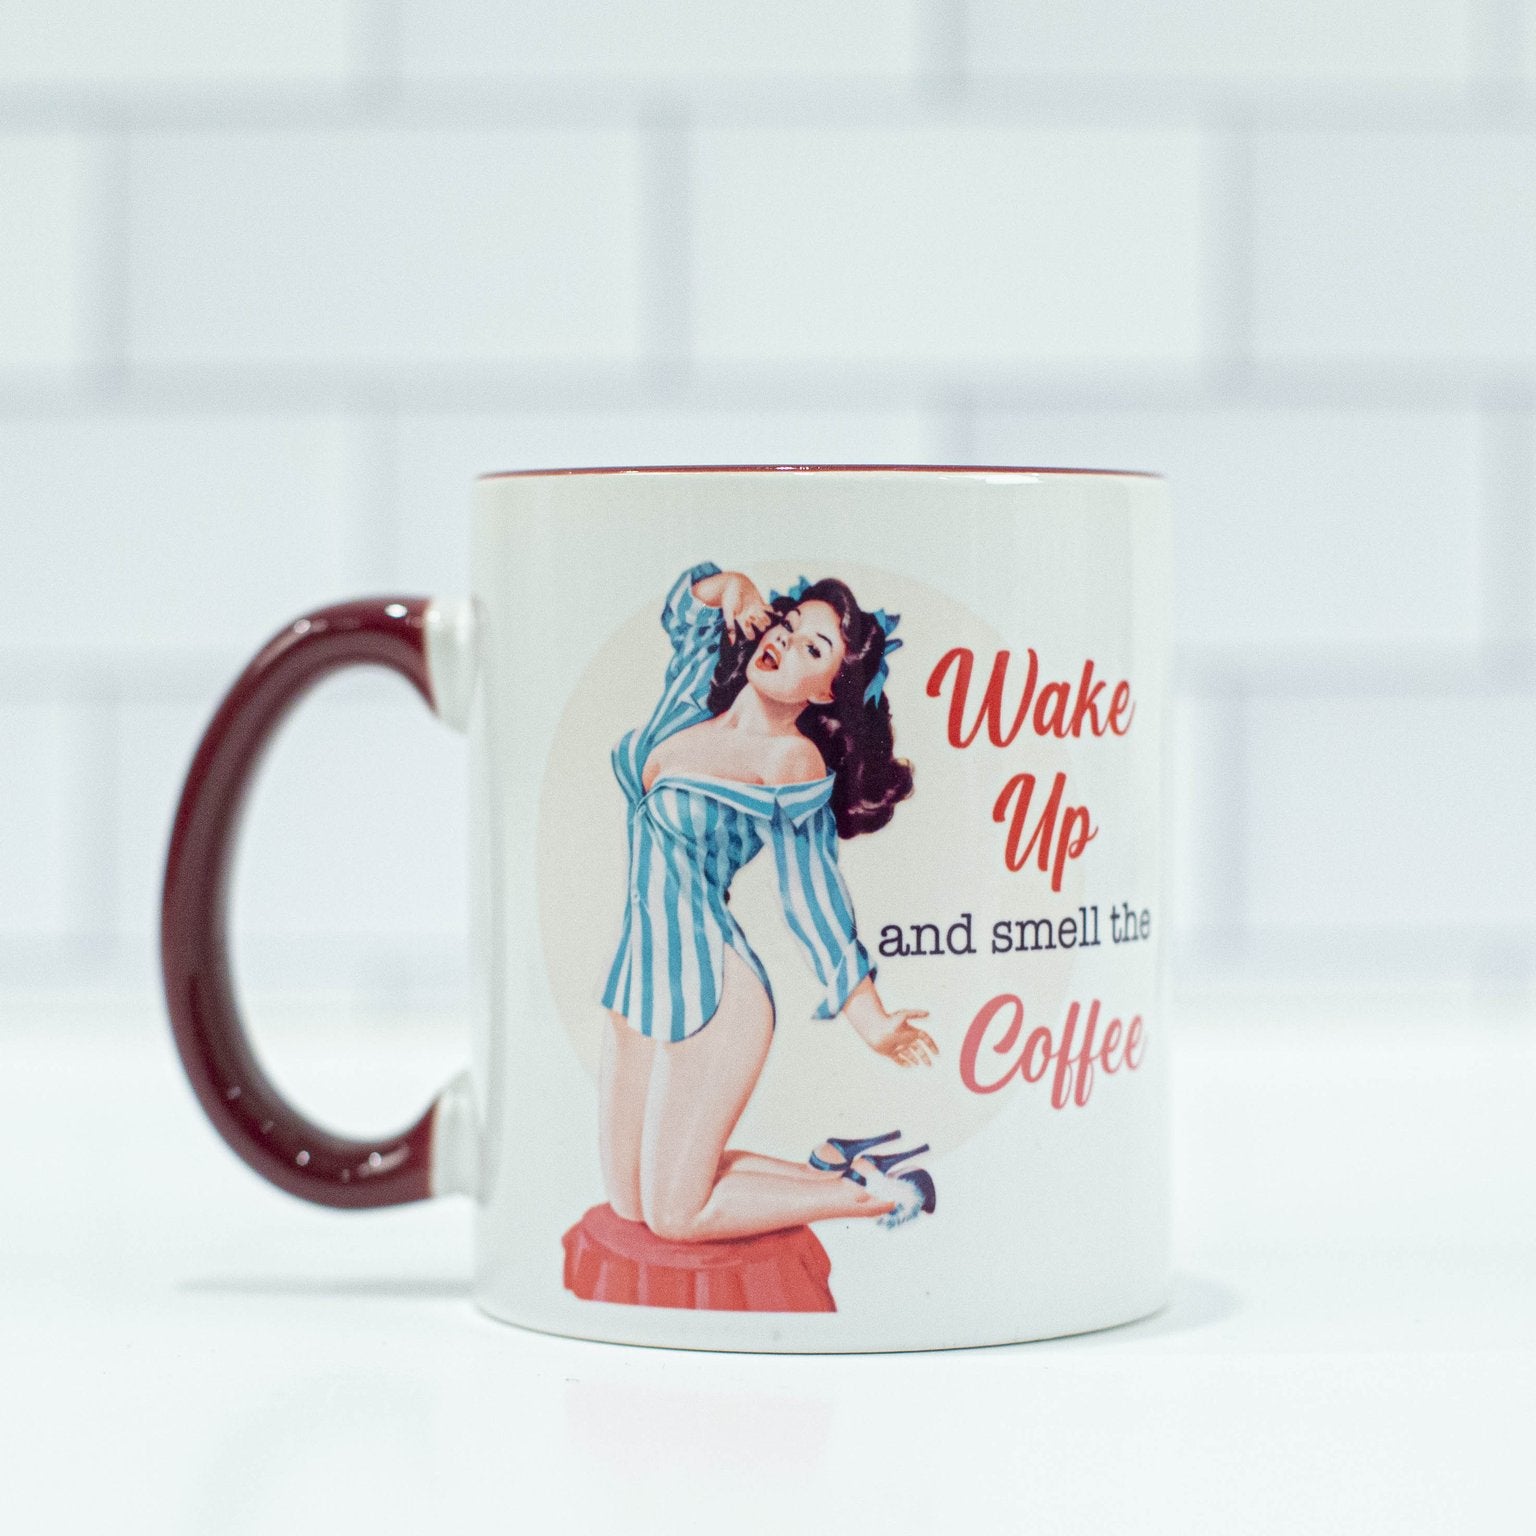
(887,623)
(794,594)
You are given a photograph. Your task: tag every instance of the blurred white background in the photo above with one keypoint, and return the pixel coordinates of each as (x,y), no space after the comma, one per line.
(276,281)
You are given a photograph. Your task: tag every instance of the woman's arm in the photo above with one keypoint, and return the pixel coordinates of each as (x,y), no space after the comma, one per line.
(737,598)
(889,1034)
(819,911)
(711,589)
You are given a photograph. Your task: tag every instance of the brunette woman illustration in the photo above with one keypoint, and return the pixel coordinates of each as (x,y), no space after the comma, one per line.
(772,729)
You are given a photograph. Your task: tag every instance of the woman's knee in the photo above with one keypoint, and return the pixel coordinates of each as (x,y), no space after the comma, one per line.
(622,1186)
(674,1220)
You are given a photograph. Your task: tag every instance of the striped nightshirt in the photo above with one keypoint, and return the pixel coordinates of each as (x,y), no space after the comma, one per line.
(690,834)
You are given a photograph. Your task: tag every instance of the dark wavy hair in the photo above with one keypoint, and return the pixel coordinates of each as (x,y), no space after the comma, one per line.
(856,740)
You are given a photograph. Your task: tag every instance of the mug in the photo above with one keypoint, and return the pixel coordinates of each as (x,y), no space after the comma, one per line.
(817,904)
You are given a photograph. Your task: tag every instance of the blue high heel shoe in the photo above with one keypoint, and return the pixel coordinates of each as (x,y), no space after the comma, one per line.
(923,1180)
(848,1149)
(885,1161)
(919,1178)
(909,1209)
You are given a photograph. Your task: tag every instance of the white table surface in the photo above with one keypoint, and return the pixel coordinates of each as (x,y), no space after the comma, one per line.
(1351,1345)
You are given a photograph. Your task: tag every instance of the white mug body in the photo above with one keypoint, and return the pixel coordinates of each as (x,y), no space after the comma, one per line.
(662,850)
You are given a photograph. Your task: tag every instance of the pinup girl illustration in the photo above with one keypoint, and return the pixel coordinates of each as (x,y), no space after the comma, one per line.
(772,729)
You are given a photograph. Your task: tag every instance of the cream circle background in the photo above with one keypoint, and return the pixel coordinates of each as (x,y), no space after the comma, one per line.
(941,855)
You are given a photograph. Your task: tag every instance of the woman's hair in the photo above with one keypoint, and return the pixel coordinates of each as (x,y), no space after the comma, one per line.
(855,739)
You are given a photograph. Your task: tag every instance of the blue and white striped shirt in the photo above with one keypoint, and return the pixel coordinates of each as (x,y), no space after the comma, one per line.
(690,834)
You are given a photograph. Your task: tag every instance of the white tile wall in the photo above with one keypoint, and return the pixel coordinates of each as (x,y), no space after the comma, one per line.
(1200,893)
(1408,813)
(184,42)
(275,283)
(46,185)
(43,775)
(157,742)
(387,250)
(1293,40)
(684,40)
(952,247)
(1386,247)
(173,536)
(1291,520)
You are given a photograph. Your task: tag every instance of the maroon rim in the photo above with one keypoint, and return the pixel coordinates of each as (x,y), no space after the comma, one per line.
(822,469)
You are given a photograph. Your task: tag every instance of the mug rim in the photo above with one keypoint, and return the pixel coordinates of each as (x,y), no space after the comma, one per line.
(818,469)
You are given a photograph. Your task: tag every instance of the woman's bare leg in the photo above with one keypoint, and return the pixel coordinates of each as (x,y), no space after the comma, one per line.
(698,1090)
(623,1081)
(760,1162)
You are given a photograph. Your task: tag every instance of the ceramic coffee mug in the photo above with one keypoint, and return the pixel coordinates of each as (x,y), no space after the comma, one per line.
(817,904)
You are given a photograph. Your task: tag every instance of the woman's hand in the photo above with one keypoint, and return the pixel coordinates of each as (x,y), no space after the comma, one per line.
(904,1042)
(742,607)
(896,1037)
(889,1034)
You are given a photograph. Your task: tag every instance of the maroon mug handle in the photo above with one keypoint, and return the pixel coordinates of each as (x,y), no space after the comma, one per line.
(245,1108)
